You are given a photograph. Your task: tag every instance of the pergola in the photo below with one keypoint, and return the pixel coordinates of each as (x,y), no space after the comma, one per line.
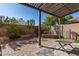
(57,9)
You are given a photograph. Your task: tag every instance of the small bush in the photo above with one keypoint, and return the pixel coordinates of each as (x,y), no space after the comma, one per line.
(13,32)
(13,35)
(45,30)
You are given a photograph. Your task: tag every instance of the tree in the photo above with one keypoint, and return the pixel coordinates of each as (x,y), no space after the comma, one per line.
(32,22)
(68,18)
(6,20)
(21,21)
(1,20)
(50,20)
(28,22)
(12,20)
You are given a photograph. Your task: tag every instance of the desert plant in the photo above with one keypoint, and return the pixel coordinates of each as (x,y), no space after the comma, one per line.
(1,20)
(13,32)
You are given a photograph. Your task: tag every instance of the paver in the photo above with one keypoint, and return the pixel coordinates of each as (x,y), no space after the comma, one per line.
(35,50)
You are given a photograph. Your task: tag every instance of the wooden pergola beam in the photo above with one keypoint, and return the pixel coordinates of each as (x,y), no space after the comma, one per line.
(26,4)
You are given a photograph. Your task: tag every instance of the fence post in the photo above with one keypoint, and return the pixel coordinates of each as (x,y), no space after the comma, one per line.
(70,33)
(0,50)
(76,36)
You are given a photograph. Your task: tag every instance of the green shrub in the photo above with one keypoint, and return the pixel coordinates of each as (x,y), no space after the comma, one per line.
(13,32)
(76,41)
(45,30)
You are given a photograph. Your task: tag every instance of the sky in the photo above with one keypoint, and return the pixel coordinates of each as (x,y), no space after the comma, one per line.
(20,11)
(76,14)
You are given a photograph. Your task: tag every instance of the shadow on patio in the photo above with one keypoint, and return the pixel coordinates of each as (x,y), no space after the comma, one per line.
(17,44)
(74,51)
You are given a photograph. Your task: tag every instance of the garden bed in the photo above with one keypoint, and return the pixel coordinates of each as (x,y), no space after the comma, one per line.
(50,36)
(4,40)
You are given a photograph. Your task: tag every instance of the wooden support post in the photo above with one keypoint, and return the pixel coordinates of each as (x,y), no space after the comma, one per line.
(62,27)
(39,28)
(59,29)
